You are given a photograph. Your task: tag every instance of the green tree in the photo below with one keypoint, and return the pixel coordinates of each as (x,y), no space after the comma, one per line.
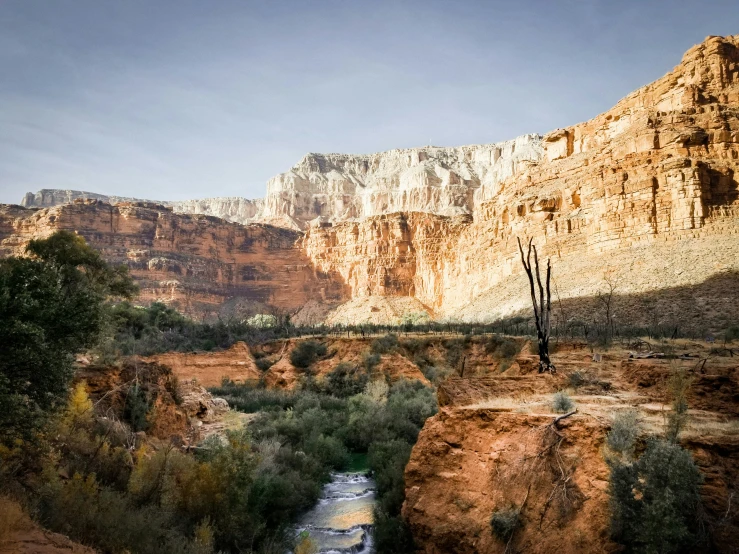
(52,306)
(654,500)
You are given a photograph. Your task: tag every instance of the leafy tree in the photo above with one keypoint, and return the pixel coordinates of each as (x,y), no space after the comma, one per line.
(52,306)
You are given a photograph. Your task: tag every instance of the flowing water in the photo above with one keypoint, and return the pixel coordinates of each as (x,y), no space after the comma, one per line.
(342,520)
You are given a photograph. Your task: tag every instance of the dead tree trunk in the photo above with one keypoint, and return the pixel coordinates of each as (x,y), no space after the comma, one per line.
(542,307)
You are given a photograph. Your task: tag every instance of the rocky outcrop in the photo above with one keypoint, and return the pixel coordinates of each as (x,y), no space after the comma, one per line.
(229,208)
(233,208)
(494,446)
(197,263)
(210,368)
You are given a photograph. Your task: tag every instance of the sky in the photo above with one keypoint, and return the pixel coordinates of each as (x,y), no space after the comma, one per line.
(178,99)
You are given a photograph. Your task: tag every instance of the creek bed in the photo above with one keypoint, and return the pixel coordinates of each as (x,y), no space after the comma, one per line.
(342,520)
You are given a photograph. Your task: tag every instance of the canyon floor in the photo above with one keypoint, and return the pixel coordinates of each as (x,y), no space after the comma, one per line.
(494,442)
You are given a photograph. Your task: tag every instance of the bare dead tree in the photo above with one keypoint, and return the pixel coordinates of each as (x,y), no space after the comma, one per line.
(542,306)
(606,299)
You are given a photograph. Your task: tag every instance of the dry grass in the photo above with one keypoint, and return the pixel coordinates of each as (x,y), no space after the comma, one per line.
(509,404)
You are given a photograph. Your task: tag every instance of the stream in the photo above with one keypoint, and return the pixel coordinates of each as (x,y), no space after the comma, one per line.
(341,521)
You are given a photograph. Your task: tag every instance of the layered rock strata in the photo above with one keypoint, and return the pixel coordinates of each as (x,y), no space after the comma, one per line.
(645,194)
(197,263)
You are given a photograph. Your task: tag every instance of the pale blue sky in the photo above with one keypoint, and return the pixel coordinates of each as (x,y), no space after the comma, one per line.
(174,99)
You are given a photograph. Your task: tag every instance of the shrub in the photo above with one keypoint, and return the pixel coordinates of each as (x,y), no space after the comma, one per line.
(415,345)
(263,364)
(624,432)
(249,399)
(654,501)
(346,380)
(377,390)
(562,402)
(385,344)
(306,352)
(262,321)
(505,522)
(370,361)
(137,408)
(679,384)
(731,334)
(454,351)
(503,348)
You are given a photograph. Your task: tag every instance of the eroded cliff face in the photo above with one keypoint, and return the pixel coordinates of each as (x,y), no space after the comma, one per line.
(494,445)
(197,263)
(646,192)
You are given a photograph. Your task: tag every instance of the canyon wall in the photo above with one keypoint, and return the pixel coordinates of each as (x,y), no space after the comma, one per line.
(645,194)
(444,181)
(197,263)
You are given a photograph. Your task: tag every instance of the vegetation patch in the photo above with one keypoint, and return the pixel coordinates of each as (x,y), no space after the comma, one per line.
(307,352)
(505,522)
(562,403)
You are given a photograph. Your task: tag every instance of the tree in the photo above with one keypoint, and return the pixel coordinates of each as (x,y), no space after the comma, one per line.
(542,306)
(605,298)
(52,306)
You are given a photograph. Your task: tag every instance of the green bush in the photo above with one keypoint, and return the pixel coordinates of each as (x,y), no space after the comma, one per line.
(263,364)
(505,522)
(137,408)
(346,380)
(562,402)
(370,361)
(654,501)
(731,334)
(385,344)
(454,351)
(306,352)
(624,432)
(502,347)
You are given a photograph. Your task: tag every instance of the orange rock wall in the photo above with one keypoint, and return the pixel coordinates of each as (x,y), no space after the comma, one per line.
(197,263)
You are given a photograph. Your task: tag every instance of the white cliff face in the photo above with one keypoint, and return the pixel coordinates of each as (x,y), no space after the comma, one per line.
(234,209)
(47,198)
(230,208)
(340,187)
(444,181)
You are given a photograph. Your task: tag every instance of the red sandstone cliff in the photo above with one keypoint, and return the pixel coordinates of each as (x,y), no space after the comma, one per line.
(197,263)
